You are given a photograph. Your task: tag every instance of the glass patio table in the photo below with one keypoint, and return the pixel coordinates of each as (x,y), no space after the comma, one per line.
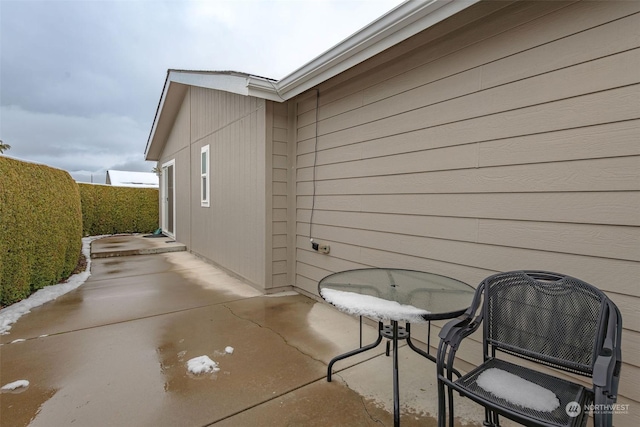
(395,295)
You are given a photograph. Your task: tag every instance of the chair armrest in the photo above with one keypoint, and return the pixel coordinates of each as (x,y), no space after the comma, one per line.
(454,324)
(606,376)
(606,369)
(451,336)
(457,335)
(456,330)
(604,366)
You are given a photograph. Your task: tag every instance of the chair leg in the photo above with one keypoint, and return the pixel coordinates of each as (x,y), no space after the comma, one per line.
(487,418)
(442,409)
(491,419)
(451,414)
(442,403)
(602,420)
(450,372)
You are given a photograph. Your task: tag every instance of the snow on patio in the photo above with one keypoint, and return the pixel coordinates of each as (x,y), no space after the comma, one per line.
(202,365)
(11,314)
(15,385)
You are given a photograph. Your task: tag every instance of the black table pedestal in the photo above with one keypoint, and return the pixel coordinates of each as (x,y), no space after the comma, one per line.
(399,295)
(393,332)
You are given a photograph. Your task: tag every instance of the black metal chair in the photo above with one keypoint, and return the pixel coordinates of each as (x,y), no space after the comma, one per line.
(542,317)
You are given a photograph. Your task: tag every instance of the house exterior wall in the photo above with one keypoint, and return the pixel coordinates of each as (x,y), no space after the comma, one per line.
(280,160)
(509,143)
(177,148)
(232,230)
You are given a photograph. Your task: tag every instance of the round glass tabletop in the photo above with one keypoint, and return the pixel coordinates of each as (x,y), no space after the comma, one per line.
(396,294)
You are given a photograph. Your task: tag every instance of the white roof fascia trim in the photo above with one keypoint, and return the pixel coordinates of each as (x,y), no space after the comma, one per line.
(246,85)
(225,82)
(263,88)
(399,24)
(156,118)
(240,84)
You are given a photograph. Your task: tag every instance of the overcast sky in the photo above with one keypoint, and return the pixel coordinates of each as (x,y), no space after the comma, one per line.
(80,80)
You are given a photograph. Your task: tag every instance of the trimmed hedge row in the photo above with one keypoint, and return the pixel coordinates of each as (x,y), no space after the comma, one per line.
(40,228)
(43,215)
(112,210)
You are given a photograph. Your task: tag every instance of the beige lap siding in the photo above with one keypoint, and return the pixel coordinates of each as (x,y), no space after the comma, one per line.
(504,142)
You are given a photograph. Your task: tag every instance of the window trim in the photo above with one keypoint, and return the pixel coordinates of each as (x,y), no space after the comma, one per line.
(205,189)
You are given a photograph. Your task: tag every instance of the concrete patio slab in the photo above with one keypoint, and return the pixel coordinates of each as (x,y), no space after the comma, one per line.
(114,352)
(103,300)
(134,373)
(323,404)
(312,327)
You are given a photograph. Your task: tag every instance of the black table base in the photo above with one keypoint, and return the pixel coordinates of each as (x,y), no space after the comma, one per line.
(392,332)
(436,297)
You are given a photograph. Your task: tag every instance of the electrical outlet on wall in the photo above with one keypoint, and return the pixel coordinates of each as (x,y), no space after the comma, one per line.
(320,247)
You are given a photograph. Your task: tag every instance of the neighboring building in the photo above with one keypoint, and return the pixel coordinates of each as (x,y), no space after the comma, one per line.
(462,138)
(132,179)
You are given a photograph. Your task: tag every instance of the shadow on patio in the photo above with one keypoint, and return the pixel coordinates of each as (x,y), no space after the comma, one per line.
(114,352)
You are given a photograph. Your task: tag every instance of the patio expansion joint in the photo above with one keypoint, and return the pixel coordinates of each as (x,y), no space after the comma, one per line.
(262,402)
(118,322)
(362,400)
(277,333)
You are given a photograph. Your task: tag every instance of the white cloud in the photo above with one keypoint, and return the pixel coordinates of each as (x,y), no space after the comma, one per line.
(269,38)
(80,80)
(81,145)
(201,15)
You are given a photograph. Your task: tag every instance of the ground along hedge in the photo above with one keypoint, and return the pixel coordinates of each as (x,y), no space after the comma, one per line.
(111,210)
(40,228)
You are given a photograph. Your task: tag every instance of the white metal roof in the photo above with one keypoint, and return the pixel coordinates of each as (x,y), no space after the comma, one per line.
(132,179)
(402,22)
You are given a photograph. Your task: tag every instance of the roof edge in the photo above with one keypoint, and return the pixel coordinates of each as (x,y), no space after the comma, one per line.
(402,22)
(397,25)
(156,117)
(228,81)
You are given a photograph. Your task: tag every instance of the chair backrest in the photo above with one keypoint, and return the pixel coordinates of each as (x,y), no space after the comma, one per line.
(550,318)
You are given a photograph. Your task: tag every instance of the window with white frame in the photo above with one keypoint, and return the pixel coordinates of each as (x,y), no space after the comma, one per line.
(204,177)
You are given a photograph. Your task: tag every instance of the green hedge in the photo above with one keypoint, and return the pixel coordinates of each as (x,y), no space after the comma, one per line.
(43,215)
(111,210)
(40,228)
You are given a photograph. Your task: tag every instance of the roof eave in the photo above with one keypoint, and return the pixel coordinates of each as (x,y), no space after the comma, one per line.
(147,150)
(406,20)
(174,90)
(397,25)
(263,88)
(170,102)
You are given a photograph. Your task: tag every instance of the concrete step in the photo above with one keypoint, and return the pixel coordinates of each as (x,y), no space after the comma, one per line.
(138,244)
